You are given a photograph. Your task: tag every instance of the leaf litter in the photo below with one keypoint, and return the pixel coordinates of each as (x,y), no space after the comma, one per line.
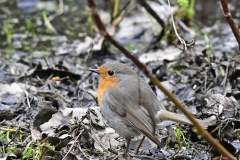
(48,96)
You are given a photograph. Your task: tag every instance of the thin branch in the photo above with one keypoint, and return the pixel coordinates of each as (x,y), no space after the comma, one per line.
(153,13)
(158,19)
(73,144)
(154,80)
(231,22)
(59,12)
(121,11)
(185,45)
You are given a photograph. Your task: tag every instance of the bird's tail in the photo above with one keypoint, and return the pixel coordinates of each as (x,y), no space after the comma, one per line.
(166,115)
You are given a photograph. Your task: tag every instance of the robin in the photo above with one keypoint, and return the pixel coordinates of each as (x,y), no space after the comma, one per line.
(129,105)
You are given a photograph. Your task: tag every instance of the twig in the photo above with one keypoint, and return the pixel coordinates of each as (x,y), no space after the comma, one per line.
(84,91)
(73,144)
(97,141)
(113,151)
(28,103)
(158,19)
(83,79)
(18,130)
(121,12)
(8,129)
(155,81)
(3,148)
(185,45)
(47,23)
(59,12)
(79,146)
(231,22)
(117,156)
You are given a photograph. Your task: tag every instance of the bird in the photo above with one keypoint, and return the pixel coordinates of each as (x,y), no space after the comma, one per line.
(129,104)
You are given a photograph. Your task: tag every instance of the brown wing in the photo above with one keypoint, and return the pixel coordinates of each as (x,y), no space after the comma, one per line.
(126,106)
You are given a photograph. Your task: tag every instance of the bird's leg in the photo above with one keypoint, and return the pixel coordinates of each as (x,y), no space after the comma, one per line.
(126,150)
(139,145)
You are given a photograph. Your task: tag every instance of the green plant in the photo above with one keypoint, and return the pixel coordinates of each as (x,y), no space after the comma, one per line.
(11,149)
(8,31)
(39,149)
(47,23)
(208,42)
(154,24)
(133,47)
(181,139)
(28,151)
(90,19)
(90,150)
(30,27)
(32,150)
(116,6)
(223,71)
(187,10)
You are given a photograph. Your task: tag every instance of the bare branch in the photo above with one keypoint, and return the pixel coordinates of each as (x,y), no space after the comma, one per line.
(231,22)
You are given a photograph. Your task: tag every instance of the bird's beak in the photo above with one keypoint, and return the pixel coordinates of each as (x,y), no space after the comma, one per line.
(95,71)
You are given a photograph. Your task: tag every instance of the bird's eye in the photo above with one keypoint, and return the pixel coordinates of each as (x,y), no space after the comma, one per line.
(110,73)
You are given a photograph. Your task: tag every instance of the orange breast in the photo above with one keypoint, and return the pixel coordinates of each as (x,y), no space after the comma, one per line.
(105,82)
